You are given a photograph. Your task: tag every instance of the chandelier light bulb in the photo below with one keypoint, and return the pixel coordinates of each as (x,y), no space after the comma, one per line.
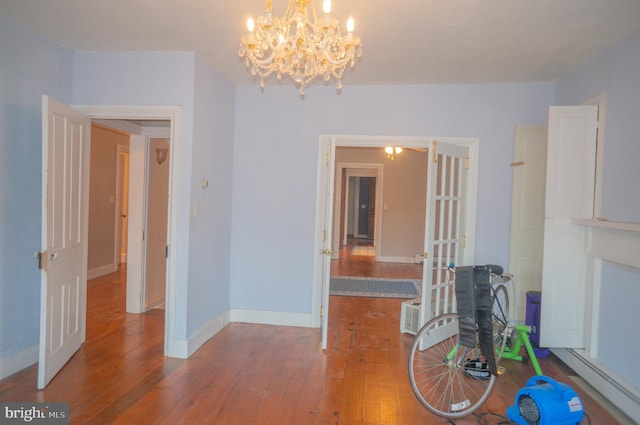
(398,149)
(389,150)
(351,25)
(326,6)
(251,25)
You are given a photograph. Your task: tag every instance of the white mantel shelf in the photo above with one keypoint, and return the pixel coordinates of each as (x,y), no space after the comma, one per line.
(612,241)
(611,225)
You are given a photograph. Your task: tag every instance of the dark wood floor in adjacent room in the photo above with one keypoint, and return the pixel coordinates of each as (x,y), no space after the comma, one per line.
(254,374)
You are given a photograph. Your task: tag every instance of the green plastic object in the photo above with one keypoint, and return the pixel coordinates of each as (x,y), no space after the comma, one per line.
(513,352)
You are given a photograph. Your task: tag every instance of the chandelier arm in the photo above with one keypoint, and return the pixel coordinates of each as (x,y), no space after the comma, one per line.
(261,62)
(340,63)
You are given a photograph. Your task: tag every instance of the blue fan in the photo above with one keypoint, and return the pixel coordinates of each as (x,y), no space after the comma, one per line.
(546,403)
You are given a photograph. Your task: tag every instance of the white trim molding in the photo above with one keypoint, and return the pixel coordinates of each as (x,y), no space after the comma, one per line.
(101,271)
(184,348)
(276,318)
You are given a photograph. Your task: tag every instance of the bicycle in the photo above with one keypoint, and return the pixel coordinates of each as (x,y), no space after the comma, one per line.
(450,379)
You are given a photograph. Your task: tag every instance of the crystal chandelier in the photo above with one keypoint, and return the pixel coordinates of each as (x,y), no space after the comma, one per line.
(299,45)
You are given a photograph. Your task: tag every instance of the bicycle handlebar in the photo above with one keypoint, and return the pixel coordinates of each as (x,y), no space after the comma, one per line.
(493,268)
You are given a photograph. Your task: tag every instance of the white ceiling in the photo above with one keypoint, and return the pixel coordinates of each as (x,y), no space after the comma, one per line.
(404,41)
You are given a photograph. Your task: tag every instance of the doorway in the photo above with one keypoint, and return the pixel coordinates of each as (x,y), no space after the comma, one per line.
(361,208)
(445,149)
(173,347)
(358,206)
(147,191)
(361,227)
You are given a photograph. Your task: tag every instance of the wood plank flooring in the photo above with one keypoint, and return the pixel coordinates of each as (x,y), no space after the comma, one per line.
(254,374)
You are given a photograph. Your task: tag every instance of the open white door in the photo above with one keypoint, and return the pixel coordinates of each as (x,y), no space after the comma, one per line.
(527,214)
(571,153)
(137,218)
(326,178)
(63,258)
(445,238)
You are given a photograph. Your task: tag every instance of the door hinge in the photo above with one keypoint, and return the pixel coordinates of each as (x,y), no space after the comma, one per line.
(321,311)
(426,255)
(43,260)
(324,235)
(467,163)
(327,157)
(433,151)
(463,241)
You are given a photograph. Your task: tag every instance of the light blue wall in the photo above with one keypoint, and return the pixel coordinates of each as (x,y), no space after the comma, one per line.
(210,233)
(616,72)
(30,66)
(618,322)
(275,156)
(170,78)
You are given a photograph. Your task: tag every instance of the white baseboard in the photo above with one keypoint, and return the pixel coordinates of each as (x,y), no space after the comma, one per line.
(272,318)
(101,271)
(385,259)
(17,362)
(184,348)
(612,386)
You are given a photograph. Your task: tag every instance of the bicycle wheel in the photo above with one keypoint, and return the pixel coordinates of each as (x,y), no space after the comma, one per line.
(500,318)
(449,380)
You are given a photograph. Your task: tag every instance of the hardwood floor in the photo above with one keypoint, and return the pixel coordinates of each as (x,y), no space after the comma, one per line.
(254,374)
(360,265)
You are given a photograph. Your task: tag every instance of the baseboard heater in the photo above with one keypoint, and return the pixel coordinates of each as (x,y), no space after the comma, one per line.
(598,376)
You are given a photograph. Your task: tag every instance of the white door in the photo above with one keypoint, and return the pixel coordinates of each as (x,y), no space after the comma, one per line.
(527,214)
(65,195)
(326,178)
(123,202)
(571,151)
(136,224)
(445,238)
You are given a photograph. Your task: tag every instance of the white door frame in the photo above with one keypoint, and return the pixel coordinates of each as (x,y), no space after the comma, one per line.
(326,192)
(172,346)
